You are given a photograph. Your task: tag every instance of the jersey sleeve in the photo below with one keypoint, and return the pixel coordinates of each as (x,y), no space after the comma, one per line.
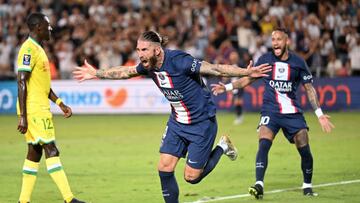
(187,63)
(141,70)
(305,74)
(26,58)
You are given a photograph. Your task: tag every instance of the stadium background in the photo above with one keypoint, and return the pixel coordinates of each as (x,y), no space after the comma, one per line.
(325,33)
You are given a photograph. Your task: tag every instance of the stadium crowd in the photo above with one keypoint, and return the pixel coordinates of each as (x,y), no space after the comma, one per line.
(325,33)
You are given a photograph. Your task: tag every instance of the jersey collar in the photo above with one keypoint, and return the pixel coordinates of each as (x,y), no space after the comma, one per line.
(34,41)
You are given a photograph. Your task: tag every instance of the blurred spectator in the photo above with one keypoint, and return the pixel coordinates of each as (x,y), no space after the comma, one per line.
(355,59)
(245,35)
(5,52)
(277,9)
(326,46)
(334,65)
(53,63)
(313,27)
(64,52)
(257,50)
(238,101)
(104,31)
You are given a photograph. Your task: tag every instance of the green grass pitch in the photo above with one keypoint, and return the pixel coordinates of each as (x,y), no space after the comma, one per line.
(114,158)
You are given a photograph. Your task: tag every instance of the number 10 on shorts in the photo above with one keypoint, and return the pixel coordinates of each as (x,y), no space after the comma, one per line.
(264,120)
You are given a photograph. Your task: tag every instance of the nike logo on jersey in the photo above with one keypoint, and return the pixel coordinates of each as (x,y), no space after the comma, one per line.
(192,162)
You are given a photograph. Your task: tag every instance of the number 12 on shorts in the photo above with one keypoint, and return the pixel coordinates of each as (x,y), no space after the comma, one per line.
(47,123)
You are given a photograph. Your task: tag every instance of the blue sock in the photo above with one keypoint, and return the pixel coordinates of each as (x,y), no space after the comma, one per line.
(169,186)
(262,158)
(210,165)
(306,163)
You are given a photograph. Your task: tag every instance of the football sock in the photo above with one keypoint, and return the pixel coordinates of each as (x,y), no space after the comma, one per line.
(30,170)
(169,186)
(262,158)
(210,165)
(238,110)
(57,173)
(306,163)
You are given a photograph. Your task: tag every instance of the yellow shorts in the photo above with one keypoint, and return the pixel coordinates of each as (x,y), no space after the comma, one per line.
(40,129)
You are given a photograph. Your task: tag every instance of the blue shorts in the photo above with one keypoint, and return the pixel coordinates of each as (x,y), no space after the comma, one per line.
(195,139)
(289,123)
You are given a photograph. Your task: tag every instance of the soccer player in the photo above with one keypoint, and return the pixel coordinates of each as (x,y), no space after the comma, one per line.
(192,126)
(33,108)
(238,105)
(281,110)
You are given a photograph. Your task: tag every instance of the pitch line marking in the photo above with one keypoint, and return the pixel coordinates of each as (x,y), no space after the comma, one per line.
(207,199)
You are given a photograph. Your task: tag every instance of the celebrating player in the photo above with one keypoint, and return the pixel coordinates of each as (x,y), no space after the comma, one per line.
(33,108)
(281,110)
(192,126)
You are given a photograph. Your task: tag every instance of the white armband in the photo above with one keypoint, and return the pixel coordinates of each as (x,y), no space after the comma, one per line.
(229,87)
(319,112)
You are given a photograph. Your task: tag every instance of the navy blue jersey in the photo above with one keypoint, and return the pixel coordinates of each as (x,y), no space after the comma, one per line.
(282,83)
(179,80)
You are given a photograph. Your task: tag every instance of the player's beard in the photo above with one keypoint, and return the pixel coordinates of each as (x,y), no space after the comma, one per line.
(153,61)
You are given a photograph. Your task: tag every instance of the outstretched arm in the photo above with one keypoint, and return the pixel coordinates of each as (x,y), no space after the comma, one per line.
(66,109)
(324,119)
(237,84)
(223,70)
(88,72)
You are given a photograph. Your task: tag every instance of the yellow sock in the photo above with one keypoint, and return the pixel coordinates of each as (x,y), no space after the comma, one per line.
(30,170)
(57,173)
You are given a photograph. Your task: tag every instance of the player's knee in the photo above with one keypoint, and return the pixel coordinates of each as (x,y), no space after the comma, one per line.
(51,150)
(192,175)
(34,153)
(192,178)
(301,138)
(167,162)
(165,166)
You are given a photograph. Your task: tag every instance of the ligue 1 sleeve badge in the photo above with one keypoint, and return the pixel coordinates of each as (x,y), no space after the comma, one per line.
(26,59)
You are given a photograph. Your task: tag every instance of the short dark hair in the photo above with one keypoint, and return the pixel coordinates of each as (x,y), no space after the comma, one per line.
(34,19)
(153,36)
(282,29)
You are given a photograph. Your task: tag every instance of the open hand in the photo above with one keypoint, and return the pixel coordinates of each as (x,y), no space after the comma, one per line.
(218,88)
(325,123)
(84,72)
(258,71)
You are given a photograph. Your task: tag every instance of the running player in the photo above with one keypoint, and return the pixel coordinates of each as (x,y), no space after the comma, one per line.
(281,110)
(192,126)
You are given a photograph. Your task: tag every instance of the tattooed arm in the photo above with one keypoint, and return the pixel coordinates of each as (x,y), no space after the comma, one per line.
(223,70)
(88,72)
(324,119)
(312,96)
(119,72)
